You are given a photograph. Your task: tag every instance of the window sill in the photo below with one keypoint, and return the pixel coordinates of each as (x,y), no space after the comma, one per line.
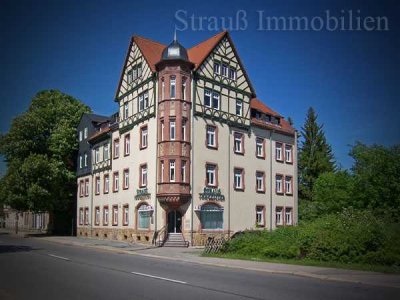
(279,193)
(239,189)
(212,147)
(260,157)
(279,160)
(142,148)
(260,191)
(239,153)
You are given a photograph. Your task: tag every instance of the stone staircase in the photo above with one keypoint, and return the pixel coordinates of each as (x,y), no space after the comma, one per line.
(175,240)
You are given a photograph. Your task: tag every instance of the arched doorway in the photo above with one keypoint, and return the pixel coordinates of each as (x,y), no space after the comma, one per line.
(174,221)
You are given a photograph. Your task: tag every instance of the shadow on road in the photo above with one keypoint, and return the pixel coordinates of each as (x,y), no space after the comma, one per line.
(14,248)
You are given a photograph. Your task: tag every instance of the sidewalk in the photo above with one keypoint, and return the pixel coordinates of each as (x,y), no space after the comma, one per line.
(192,255)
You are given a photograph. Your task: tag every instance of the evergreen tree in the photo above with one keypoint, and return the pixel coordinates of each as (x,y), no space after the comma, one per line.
(315,155)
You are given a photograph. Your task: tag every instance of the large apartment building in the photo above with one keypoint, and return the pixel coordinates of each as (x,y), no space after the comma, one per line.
(192,152)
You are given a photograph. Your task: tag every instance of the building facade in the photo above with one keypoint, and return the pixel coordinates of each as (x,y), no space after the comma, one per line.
(193,152)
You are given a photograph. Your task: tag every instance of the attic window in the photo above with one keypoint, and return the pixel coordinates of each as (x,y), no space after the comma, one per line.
(232,73)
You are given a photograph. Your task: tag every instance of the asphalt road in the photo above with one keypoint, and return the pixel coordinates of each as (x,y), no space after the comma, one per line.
(31,268)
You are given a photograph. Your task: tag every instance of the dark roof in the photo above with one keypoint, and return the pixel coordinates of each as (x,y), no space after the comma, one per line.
(174,51)
(98,118)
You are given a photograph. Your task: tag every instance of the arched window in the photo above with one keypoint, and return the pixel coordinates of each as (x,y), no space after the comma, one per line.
(211,216)
(144,213)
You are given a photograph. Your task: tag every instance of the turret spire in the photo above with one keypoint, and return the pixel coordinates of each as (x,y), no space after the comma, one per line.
(175,35)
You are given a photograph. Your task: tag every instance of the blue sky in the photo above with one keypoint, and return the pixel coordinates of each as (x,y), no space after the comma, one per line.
(351,78)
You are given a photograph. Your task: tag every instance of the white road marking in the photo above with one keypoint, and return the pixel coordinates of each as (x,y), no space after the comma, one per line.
(59,257)
(157,277)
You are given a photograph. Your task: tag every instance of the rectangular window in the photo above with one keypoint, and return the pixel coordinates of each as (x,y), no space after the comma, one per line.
(87,187)
(139,70)
(86,159)
(81,216)
(172,87)
(80,135)
(288,154)
(260,183)
(115,215)
(211,136)
(97,185)
(86,220)
(126,111)
(162,171)
(215,100)
(105,215)
(130,76)
(172,130)
(162,130)
(260,218)
(81,188)
(162,89)
(278,184)
(106,183)
(183,88)
(97,155)
(143,101)
(126,215)
(238,143)
(143,137)
(116,148)
(278,151)
(232,73)
(134,73)
(183,171)
(115,181)
(143,175)
(239,107)
(238,178)
(127,146)
(184,130)
(106,152)
(288,216)
(288,185)
(85,133)
(217,68)
(207,98)
(97,215)
(278,216)
(126,179)
(211,175)
(80,161)
(172,170)
(225,70)
(260,148)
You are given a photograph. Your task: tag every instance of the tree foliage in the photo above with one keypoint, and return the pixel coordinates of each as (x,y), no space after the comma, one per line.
(315,155)
(40,149)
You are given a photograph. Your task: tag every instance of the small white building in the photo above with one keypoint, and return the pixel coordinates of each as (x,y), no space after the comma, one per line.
(194,152)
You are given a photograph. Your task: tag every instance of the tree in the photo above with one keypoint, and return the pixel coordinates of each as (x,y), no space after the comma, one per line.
(41,153)
(315,155)
(377,171)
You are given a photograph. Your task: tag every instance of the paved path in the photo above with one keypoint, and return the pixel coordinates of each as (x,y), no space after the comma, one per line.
(193,255)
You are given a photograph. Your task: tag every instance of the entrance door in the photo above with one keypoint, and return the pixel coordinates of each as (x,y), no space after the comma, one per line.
(174,221)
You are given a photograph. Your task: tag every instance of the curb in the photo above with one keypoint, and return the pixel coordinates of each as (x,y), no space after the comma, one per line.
(269,271)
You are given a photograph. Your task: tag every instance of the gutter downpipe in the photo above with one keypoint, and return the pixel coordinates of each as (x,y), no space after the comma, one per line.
(193,107)
(270,180)
(157,133)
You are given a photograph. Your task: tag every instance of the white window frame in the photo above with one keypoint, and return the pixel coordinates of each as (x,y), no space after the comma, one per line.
(116,182)
(288,153)
(208,95)
(233,70)
(215,96)
(105,215)
(260,181)
(144,137)
(162,130)
(184,89)
(106,151)
(126,215)
(172,130)
(97,216)
(97,155)
(279,184)
(224,69)
(162,89)
(143,176)
(115,215)
(279,215)
(288,216)
(127,146)
(211,171)
(126,179)
(288,185)
(80,161)
(183,170)
(211,136)
(260,218)
(278,151)
(126,111)
(172,173)
(97,186)
(172,87)
(184,122)
(238,139)
(85,159)
(217,67)
(85,133)
(162,171)
(239,104)
(259,147)
(80,135)
(238,177)
(106,184)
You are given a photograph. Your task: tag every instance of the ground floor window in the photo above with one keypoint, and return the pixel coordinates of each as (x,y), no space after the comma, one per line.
(260,216)
(288,215)
(278,216)
(211,216)
(144,216)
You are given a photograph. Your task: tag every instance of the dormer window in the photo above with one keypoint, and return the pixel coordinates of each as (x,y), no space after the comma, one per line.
(130,76)
(85,133)
(139,70)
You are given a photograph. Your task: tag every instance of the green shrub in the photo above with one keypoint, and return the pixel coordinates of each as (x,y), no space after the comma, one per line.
(347,237)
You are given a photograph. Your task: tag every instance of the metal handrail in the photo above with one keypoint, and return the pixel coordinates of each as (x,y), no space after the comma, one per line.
(159,237)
